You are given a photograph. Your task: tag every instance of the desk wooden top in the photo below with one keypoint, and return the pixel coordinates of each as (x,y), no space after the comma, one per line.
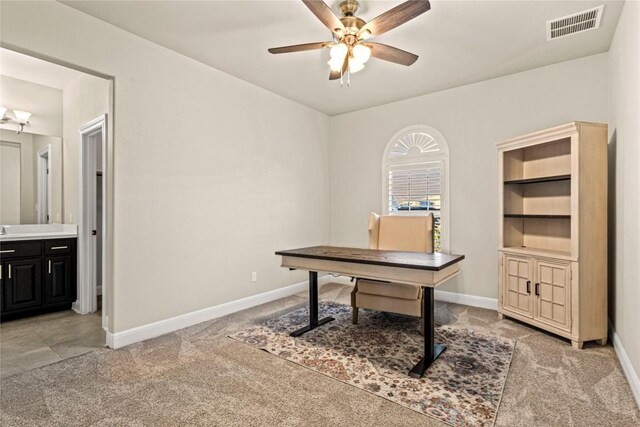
(418,260)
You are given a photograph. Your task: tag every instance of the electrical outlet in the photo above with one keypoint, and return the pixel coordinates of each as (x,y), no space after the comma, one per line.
(254,277)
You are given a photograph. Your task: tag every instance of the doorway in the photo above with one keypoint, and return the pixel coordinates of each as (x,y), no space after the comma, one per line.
(92,224)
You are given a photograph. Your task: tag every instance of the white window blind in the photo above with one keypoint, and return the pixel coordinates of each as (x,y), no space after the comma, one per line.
(417,189)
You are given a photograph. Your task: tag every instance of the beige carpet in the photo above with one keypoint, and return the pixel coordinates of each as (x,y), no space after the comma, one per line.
(198,376)
(462,388)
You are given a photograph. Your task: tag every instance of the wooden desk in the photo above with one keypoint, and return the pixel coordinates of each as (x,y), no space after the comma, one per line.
(427,270)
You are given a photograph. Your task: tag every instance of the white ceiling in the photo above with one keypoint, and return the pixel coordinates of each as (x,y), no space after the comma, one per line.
(28,68)
(459,42)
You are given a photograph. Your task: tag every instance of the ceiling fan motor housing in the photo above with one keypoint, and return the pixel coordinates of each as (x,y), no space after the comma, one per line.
(349,7)
(352,23)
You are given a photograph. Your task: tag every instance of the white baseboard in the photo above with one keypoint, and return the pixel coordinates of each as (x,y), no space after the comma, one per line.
(151,330)
(627,368)
(466,299)
(161,327)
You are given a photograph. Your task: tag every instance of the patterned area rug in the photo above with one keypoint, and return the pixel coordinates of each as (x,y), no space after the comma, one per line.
(462,388)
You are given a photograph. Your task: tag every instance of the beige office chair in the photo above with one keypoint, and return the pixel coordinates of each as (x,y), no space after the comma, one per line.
(398,233)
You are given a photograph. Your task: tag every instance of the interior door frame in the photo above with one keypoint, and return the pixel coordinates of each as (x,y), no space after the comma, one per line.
(87,292)
(44,182)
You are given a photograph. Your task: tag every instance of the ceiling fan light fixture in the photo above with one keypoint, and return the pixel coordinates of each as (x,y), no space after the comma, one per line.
(355,65)
(339,51)
(336,64)
(361,53)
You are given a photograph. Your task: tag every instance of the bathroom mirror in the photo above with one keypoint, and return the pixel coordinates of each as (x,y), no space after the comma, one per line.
(30,178)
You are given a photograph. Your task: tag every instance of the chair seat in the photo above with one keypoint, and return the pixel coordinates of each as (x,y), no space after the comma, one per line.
(388,289)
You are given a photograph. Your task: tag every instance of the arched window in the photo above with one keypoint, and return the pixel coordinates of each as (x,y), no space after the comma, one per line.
(415,178)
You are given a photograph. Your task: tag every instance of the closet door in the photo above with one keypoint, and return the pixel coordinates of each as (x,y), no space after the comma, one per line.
(553,294)
(517,285)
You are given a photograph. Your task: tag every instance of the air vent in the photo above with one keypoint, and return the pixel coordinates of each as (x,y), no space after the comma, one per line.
(575,23)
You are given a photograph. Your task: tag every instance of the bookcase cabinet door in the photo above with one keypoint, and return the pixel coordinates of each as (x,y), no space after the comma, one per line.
(518,278)
(553,294)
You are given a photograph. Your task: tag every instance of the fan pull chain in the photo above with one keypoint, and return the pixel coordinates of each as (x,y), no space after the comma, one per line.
(348,77)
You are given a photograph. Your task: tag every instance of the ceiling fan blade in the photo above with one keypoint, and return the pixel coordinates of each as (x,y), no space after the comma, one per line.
(392,54)
(335,75)
(395,17)
(299,47)
(325,14)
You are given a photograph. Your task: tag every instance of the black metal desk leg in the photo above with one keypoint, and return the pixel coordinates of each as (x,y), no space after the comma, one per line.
(313,307)
(431,349)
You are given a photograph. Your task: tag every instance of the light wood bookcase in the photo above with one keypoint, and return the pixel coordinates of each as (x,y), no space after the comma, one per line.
(552,230)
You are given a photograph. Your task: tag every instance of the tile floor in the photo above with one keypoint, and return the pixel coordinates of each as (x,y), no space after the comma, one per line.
(41,340)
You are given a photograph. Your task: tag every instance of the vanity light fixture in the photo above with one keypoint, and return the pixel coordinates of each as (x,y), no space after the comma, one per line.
(21,118)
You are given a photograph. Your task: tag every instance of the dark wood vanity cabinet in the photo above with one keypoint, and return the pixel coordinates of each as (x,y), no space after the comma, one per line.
(37,276)
(21,284)
(58,281)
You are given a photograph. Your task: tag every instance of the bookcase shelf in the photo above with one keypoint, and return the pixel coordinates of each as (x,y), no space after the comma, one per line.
(553,178)
(538,216)
(528,250)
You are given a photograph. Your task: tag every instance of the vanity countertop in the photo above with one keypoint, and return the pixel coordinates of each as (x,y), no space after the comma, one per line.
(38,232)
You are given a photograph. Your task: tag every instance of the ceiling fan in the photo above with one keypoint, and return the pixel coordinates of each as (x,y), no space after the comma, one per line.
(349,47)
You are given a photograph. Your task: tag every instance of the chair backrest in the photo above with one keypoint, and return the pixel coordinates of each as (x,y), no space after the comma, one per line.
(401,233)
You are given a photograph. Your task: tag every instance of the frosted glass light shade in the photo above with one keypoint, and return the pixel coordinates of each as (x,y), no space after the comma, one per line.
(336,63)
(338,51)
(355,65)
(22,116)
(361,52)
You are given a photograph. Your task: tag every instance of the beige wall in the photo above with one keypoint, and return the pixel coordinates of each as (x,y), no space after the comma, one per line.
(44,102)
(83,100)
(624,188)
(212,174)
(472,118)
